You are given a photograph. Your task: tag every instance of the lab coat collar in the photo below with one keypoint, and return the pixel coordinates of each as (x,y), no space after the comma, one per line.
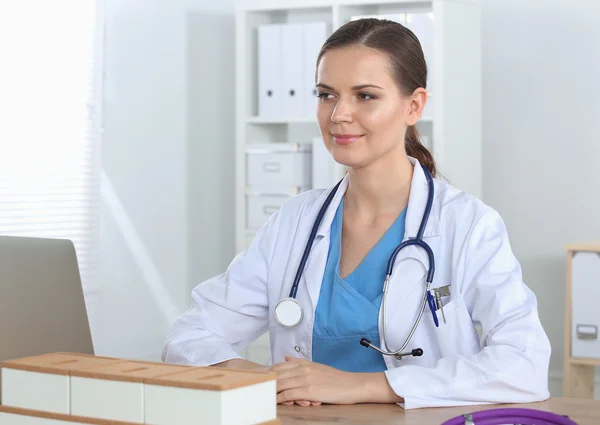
(416,206)
(417,202)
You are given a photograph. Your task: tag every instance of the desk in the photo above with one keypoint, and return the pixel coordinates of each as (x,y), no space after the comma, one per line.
(582,411)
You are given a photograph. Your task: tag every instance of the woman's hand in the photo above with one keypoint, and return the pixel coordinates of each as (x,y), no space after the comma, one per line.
(242,364)
(299,379)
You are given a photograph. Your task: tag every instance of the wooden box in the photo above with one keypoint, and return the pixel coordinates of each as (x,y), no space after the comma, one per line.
(67,388)
(213,396)
(42,382)
(115,391)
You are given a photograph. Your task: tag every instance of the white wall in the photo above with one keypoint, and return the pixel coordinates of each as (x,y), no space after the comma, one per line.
(541,103)
(167,184)
(211,136)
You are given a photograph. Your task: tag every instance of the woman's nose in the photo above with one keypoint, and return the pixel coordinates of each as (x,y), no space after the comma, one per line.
(342,112)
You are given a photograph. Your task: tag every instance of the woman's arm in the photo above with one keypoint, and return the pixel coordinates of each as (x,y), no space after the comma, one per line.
(242,364)
(228,311)
(300,379)
(376,388)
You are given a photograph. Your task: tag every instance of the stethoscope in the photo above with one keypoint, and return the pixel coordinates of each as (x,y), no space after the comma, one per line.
(289,312)
(504,416)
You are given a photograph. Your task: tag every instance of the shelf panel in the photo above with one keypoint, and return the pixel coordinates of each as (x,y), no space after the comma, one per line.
(261,120)
(394,10)
(267,121)
(275,5)
(591,247)
(284,6)
(584,361)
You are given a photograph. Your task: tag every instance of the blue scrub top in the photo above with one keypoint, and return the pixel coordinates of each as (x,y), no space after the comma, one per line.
(348,309)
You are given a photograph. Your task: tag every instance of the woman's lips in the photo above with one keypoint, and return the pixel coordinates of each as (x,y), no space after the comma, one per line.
(345,139)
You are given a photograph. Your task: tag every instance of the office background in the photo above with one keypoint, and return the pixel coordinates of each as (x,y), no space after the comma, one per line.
(167,204)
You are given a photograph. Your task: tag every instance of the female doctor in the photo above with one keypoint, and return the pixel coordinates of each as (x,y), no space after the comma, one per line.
(457,325)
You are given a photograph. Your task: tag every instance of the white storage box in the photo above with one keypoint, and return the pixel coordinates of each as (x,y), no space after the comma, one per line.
(43,382)
(115,392)
(281,165)
(16,416)
(326,173)
(214,396)
(585,319)
(261,205)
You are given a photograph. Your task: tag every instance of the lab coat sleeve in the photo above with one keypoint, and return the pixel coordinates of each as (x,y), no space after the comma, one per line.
(512,366)
(228,311)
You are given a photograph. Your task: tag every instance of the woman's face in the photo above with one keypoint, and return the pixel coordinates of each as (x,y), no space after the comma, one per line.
(361,111)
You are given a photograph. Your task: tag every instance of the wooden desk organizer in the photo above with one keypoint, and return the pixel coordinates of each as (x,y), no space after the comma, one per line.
(69,388)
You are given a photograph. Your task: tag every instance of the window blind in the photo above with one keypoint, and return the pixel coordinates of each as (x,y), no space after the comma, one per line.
(50,123)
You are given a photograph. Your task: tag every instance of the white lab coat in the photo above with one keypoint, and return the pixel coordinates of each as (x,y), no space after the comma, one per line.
(493,348)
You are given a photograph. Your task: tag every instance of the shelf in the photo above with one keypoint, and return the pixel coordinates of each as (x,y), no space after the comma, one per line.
(284,5)
(584,361)
(452,133)
(261,120)
(590,247)
(275,191)
(275,121)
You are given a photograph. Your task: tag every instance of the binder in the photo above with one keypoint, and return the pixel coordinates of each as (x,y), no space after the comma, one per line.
(585,319)
(270,96)
(315,35)
(292,69)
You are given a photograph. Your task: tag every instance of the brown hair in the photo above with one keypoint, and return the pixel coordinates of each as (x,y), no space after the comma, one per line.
(407,61)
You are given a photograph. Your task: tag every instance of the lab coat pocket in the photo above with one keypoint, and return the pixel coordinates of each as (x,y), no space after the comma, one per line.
(458,335)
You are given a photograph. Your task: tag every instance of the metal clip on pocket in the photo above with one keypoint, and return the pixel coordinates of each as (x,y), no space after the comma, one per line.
(438,300)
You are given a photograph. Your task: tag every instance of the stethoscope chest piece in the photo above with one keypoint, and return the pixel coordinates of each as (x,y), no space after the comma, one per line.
(288,312)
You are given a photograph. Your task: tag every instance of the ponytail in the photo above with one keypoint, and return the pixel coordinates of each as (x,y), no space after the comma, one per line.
(415,148)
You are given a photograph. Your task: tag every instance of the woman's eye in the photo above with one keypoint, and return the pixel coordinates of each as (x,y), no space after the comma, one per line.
(323,95)
(361,96)
(365,96)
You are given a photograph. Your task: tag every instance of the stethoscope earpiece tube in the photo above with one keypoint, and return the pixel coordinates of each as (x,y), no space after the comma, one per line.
(427,300)
(417,352)
(311,238)
(365,342)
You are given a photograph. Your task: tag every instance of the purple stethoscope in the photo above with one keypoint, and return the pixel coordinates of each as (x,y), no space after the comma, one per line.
(507,416)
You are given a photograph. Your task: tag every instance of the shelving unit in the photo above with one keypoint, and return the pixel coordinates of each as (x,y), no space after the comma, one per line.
(453,121)
(582,343)
(451,125)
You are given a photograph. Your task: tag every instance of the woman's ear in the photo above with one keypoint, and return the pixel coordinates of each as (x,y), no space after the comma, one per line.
(416,105)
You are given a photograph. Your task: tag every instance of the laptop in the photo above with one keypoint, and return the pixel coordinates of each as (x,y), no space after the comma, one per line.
(42,307)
